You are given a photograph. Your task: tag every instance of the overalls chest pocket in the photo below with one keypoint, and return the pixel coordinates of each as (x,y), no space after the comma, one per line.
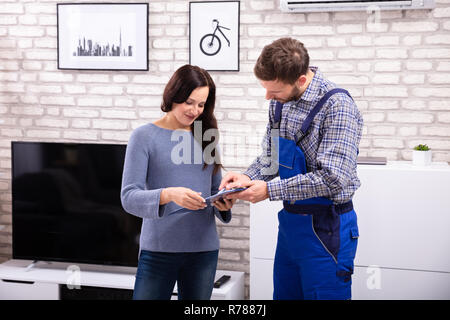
(291,159)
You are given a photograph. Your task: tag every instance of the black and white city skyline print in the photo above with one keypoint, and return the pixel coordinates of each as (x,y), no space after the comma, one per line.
(110,36)
(94,47)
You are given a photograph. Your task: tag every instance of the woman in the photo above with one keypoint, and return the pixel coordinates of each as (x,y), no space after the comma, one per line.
(179,241)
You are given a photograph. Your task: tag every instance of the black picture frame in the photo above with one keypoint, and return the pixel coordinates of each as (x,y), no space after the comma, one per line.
(103,36)
(214,35)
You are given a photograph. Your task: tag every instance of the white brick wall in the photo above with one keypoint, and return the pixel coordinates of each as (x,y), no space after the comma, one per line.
(397,69)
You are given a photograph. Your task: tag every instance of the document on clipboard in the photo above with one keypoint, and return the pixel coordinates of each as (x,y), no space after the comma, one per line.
(219,195)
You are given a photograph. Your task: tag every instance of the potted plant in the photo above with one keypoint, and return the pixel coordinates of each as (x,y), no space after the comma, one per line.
(421,155)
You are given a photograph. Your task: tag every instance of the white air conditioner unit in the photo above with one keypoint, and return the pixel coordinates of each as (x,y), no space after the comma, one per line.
(352,5)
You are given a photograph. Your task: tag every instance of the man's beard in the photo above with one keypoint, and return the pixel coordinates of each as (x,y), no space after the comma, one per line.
(295,94)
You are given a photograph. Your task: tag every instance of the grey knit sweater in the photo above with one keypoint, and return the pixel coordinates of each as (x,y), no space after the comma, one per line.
(152,163)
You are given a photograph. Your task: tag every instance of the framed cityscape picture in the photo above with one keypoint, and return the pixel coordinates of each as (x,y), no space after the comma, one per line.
(108,36)
(214,35)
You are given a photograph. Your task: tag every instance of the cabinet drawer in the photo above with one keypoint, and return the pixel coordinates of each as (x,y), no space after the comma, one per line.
(395,284)
(15,290)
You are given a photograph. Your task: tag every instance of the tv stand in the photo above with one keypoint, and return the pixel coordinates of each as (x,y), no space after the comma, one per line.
(27,279)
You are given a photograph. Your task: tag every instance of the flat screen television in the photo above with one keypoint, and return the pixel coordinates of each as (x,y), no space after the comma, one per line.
(66,204)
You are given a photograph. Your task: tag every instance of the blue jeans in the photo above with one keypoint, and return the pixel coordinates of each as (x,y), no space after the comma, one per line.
(157,273)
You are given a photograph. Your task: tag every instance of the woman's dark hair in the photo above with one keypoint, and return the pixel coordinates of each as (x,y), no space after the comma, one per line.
(185,80)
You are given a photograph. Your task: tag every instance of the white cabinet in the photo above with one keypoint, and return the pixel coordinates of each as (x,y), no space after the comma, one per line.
(44,280)
(404,217)
(263,240)
(403,250)
(261,280)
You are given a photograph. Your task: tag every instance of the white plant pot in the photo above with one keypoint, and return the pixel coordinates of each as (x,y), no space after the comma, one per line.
(421,158)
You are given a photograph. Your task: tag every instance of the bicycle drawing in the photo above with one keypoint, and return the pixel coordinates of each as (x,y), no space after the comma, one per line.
(210,43)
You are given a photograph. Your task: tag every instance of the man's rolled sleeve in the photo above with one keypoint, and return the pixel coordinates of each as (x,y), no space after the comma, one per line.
(277,190)
(252,173)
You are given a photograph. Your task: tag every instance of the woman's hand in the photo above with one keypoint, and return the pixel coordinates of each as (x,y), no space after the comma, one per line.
(184,197)
(224,205)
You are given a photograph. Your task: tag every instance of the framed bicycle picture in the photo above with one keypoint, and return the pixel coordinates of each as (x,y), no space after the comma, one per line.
(102,36)
(214,35)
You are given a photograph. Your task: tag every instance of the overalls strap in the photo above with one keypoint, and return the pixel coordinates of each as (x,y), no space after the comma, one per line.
(277,118)
(311,115)
(318,106)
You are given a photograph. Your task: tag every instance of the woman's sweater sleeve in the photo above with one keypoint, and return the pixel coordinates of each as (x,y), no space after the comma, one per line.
(224,216)
(136,199)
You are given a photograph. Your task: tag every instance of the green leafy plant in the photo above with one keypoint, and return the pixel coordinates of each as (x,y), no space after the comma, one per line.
(421,147)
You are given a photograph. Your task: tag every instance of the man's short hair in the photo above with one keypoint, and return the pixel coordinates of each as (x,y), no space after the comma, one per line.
(285,60)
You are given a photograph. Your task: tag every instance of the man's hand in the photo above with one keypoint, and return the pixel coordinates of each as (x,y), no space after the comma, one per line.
(257,191)
(233,180)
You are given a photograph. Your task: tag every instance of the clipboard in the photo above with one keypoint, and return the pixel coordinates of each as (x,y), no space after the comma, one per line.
(219,195)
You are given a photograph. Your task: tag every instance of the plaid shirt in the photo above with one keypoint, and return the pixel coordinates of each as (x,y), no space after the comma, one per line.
(330,146)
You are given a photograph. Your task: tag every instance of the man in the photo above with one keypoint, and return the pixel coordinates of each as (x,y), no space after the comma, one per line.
(311,143)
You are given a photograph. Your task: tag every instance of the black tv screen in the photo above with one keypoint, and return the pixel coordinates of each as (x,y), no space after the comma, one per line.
(66,204)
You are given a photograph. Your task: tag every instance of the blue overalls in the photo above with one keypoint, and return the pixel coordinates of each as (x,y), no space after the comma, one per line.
(316,239)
